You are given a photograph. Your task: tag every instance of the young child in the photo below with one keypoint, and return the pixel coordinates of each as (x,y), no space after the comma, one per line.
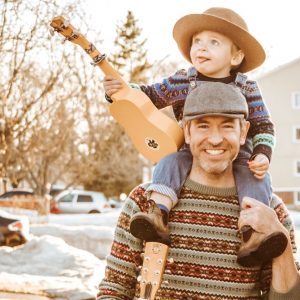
(220,47)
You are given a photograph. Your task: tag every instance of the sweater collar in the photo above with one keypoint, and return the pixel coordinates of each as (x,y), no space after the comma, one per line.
(192,72)
(204,189)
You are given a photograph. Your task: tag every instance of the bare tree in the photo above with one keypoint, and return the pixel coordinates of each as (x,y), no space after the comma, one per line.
(35,82)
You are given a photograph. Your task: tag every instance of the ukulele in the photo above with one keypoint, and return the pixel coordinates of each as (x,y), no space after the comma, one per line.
(150,278)
(154,133)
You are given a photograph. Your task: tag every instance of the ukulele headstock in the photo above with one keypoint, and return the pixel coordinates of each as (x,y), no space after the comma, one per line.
(152,271)
(63,27)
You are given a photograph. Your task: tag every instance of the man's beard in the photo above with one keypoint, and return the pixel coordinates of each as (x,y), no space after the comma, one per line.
(215,169)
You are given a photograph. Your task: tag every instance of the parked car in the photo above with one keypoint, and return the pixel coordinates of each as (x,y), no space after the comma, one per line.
(83,202)
(14,230)
(16,192)
(115,202)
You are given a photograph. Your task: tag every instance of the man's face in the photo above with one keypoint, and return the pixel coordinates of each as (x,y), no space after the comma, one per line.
(215,142)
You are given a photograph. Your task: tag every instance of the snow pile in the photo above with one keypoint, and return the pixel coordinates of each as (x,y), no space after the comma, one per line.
(92,238)
(105,219)
(49,266)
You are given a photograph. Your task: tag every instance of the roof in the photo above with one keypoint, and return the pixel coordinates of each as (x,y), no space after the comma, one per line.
(278,69)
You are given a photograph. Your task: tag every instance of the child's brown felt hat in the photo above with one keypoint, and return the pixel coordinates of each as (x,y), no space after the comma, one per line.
(226,22)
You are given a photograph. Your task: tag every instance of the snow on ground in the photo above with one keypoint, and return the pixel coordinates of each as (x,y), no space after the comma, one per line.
(46,265)
(64,258)
(92,238)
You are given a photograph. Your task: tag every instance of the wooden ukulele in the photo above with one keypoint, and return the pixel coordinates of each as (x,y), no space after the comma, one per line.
(153,133)
(152,271)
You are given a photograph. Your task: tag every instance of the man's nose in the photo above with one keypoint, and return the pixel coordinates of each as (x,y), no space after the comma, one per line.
(215,137)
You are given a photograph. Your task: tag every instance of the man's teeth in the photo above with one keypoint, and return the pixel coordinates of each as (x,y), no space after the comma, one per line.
(214,152)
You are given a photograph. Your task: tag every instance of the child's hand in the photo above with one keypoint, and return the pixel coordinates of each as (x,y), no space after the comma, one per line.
(259,166)
(111,85)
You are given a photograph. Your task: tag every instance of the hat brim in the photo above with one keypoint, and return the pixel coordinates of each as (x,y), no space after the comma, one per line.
(199,116)
(187,26)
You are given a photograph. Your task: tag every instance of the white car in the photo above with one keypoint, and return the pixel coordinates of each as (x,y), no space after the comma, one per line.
(81,202)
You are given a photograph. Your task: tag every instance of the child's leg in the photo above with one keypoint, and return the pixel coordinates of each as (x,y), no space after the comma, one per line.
(256,248)
(249,186)
(168,178)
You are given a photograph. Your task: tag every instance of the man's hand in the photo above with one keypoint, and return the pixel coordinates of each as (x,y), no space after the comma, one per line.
(259,166)
(260,217)
(111,85)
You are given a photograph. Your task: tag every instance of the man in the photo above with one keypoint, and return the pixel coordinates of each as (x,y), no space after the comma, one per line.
(204,224)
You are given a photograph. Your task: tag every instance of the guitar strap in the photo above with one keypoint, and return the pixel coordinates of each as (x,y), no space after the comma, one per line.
(192,76)
(240,82)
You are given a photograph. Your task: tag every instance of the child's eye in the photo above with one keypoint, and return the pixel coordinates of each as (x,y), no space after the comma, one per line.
(197,41)
(215,42)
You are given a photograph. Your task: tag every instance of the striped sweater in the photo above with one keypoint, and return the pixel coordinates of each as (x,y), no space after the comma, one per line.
(174,89)
(203,228)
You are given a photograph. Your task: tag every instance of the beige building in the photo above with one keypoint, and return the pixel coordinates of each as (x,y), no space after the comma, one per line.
(281,92)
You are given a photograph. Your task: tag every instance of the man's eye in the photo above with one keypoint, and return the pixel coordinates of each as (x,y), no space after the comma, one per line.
(228,126)
(202,126)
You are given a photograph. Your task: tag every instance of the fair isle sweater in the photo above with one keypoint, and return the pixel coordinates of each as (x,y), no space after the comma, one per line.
(174,89)
(204,245)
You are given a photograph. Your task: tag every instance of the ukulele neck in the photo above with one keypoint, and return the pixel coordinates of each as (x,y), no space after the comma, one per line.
(100,60)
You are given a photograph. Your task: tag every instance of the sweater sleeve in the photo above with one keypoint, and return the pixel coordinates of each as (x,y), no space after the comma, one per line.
(292,294)
(266,273)
(170,91)
(122,263)
(261,127)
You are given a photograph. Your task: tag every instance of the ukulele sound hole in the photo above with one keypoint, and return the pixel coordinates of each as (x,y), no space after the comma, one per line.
(151,143)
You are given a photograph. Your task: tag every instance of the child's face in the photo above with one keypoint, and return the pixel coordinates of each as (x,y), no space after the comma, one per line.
(213,54)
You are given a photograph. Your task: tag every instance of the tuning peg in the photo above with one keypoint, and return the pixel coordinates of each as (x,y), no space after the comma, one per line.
(139,278)
(168,272)
(66,23)
(75,34)
(52,31)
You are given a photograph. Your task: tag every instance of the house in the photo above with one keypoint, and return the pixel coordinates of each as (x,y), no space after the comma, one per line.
(281,91)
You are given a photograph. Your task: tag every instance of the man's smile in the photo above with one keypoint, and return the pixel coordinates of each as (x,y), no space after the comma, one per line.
(214,151)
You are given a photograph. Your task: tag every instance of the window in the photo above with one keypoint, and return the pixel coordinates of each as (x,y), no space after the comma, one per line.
(296,134)
(297,168)
(296,100)
(297,197)
(67,198)
(84,198)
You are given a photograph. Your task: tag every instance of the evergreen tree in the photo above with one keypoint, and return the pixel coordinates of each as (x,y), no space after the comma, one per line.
(130,57)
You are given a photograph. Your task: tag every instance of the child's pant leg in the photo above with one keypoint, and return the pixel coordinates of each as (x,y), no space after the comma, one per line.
(170,174)
(248,185)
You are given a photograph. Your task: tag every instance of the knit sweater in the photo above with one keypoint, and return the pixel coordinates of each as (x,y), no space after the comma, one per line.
(204,244)
(174,89)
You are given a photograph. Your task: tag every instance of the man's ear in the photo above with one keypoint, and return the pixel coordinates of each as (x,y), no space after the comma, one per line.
(244,130)
(237,58)
(186,131)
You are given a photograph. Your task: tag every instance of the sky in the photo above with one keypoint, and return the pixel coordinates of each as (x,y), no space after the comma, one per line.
(274,23)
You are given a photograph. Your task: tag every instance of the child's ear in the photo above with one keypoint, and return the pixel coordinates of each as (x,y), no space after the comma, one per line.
(237,58)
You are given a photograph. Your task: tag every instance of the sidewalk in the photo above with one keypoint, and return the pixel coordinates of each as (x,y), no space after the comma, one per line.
(11,296)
